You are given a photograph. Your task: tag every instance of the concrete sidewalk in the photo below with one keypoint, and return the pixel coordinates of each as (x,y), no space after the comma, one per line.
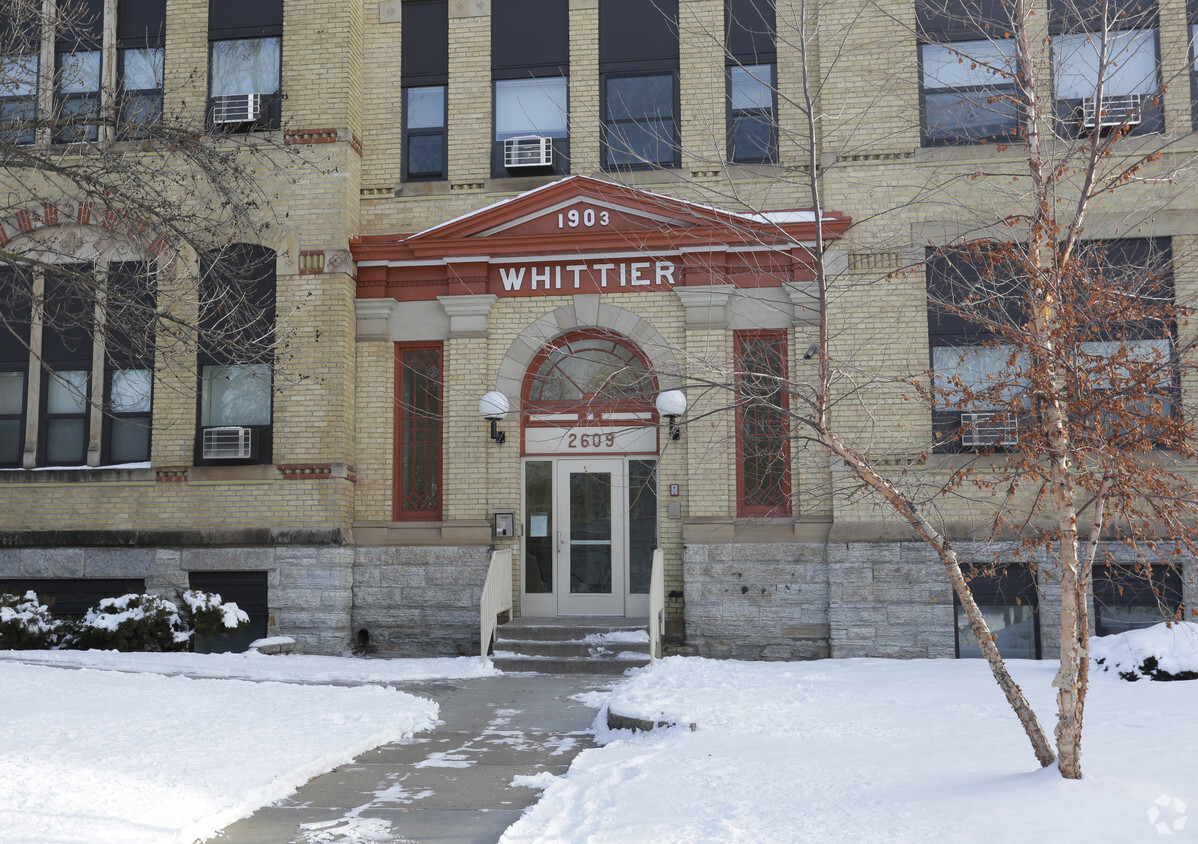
(451,784)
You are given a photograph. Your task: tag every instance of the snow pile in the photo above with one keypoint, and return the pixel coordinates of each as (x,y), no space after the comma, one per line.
(1160,652)
(616,636)
(298,668)
(868,750)
(97,756)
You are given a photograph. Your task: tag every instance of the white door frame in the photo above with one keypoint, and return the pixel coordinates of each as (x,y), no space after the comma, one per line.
(560,602)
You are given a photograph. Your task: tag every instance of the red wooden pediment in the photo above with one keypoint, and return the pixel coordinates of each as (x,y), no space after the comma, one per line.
(581,234)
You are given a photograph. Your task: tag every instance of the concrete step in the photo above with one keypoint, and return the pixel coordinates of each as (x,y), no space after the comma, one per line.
(567,629)
(570,650)
(572,645)
(508,661)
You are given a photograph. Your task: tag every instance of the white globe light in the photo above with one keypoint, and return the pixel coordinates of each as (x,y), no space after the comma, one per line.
(671,403)
(494,405)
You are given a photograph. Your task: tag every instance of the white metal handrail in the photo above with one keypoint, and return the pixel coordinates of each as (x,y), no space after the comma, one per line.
(657,605)
(497,597)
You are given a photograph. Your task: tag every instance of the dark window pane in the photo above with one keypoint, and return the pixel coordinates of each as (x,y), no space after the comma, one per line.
(538,528)
(636,97)
(129,440)
(753,137)
(968,115)
(642,523)
(141,23)
(241,19)
(10,442)
(644,142)
(425,155)
(638,31)
(425,41)
(12,393)
(65,442)
(590,532)
(1014,626)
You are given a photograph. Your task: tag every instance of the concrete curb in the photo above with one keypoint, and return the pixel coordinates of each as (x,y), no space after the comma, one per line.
(616,721)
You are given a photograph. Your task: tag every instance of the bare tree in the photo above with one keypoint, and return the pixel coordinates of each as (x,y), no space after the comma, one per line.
(1063,414)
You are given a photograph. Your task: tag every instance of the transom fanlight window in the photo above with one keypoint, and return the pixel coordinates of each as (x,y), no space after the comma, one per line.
(583,368)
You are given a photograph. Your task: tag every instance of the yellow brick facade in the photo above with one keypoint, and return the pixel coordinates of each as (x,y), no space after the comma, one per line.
(340,176)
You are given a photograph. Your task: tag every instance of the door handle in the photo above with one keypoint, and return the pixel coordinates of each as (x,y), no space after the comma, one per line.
(559,542)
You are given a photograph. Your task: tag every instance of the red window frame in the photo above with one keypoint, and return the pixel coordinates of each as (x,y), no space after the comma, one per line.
(420,432)
(760,494)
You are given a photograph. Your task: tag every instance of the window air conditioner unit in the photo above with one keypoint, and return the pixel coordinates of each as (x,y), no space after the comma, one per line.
(528,151)
(986,430)
(1118,110)
(236,108)
(229,444)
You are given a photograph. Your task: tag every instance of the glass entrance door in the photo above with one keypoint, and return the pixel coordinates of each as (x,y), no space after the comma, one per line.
(590,527)
(590,539)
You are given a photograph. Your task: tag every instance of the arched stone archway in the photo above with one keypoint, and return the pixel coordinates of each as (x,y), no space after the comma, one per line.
(586,312)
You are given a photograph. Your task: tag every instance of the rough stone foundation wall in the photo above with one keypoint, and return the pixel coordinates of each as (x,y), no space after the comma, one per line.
(862,599)
(889,599)
(756,601)
(419,600)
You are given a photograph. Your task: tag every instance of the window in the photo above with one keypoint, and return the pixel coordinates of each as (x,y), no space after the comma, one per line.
(20,45)
(1130,597)
(967,91)
(77,74)
(1192,17)
(424,132)
(1010,605)
(129,397)
(237,314)
(424,71)
(67,336)
(129,362)
(245,64)
(638,69)
(974,315)
(762,424)
(1121,52)
(530,57)
(967,73)
(141,37)
(95,386)
(752,107)
(82,49)
(752,129)
(16,291)
(585,370)
(418,432)
(530,107)
(18,98)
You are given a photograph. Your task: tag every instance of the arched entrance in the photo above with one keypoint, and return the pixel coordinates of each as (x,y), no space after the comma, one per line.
(589,439)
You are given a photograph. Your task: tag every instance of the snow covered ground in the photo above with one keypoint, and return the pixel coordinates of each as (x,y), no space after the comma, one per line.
(290,668)
(831,751)
(111,756)
(873,750)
